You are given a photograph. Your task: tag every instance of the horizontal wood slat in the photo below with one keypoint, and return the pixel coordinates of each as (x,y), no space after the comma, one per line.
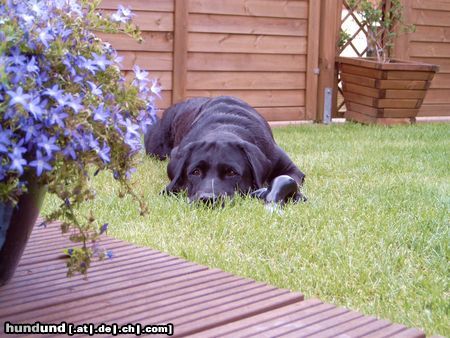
(202,23)
(259,98)
(431,34)
(233,43)
(152,42)
(151,61)
(140,5)
(430,17)
(151,21)
(245,80)
(264,8)
(246,62)
(438,5)
(140,285)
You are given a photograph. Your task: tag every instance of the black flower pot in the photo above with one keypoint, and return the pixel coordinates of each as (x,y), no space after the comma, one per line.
(16,224)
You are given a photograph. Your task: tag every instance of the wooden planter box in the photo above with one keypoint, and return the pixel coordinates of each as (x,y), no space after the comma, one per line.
(384,93)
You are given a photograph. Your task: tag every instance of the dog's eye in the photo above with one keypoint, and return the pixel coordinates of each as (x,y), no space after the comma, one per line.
(230,172)
(196,172)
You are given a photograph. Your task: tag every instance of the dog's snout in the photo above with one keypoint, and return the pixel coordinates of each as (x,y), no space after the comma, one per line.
(208,198)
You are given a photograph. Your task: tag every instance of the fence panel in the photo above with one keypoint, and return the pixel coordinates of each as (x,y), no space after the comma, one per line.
(430,43)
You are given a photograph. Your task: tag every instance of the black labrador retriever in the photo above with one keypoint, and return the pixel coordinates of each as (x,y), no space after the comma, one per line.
(219,146)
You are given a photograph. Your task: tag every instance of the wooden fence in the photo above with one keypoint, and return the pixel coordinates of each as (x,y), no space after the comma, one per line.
(253,49)
(430,43)
(267,52)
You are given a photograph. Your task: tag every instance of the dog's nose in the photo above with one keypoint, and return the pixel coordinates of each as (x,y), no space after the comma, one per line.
(208,198)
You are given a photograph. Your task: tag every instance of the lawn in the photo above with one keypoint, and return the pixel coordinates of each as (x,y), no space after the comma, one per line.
(373,236)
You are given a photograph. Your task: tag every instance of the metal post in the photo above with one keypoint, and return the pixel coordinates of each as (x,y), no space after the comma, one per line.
(328,98)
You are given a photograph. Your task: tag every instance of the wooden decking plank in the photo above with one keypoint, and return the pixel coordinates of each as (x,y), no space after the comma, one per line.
(296,326)
(116,271)
(186,304)
(398,330)
(134,296)
(260,323)
(140,305)
(84,286)
(48,255)
(42,275)
(367,329)
(215,318)
(53,312)
(60,243)
(42,301)
(345,326)
(332,320)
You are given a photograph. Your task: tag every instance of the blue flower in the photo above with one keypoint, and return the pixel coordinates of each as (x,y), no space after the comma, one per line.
(18,97)
(101,61)
(104,153)
(94,89)
(54,92)
(48,144)
(36,107)
(103,228)
(69,151)
(101,114)
(31,66)
(17,164)
(41,163)
(109,254)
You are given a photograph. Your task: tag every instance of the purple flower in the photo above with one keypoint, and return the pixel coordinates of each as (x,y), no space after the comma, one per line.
(109,254)
(31,66)
(103,228)
(31,130)
(54,92)
(41,163)
(57,117)
(17,57)
(101,61)
(36,107)
(122,15)
(17,164)
(69,151)
(104,153)
(17,150)
(101,114)
(18,97)
(95,90)
(48,144)
(140,75)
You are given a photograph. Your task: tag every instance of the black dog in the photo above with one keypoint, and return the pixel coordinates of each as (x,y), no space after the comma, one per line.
(218,146)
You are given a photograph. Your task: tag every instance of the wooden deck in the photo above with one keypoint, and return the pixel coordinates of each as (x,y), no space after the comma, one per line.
(140,285)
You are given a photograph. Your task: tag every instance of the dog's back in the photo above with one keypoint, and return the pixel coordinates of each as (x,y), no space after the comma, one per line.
(200,116)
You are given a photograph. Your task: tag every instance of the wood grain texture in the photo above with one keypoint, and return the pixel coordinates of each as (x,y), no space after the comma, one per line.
(245,80)
(246,62)
(262,8)
(238,43)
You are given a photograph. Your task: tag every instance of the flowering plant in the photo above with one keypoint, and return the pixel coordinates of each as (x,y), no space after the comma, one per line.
(66,111)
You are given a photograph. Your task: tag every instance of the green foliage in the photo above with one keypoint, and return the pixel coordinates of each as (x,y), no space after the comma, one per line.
(382,25)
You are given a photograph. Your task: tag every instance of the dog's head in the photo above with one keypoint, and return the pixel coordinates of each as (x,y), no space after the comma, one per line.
(211,170)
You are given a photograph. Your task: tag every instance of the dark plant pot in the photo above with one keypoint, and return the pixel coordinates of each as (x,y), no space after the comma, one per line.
(16,224)
(384,93)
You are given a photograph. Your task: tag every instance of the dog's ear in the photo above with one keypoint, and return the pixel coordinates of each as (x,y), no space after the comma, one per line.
(259,163)
(175,170)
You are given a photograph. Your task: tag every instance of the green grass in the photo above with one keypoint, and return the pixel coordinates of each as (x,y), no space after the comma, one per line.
(373,236)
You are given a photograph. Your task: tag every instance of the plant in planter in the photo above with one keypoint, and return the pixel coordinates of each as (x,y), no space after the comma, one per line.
(66,113)
(380,89)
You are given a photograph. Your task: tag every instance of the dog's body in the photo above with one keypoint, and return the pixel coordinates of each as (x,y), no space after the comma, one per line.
(217,146)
